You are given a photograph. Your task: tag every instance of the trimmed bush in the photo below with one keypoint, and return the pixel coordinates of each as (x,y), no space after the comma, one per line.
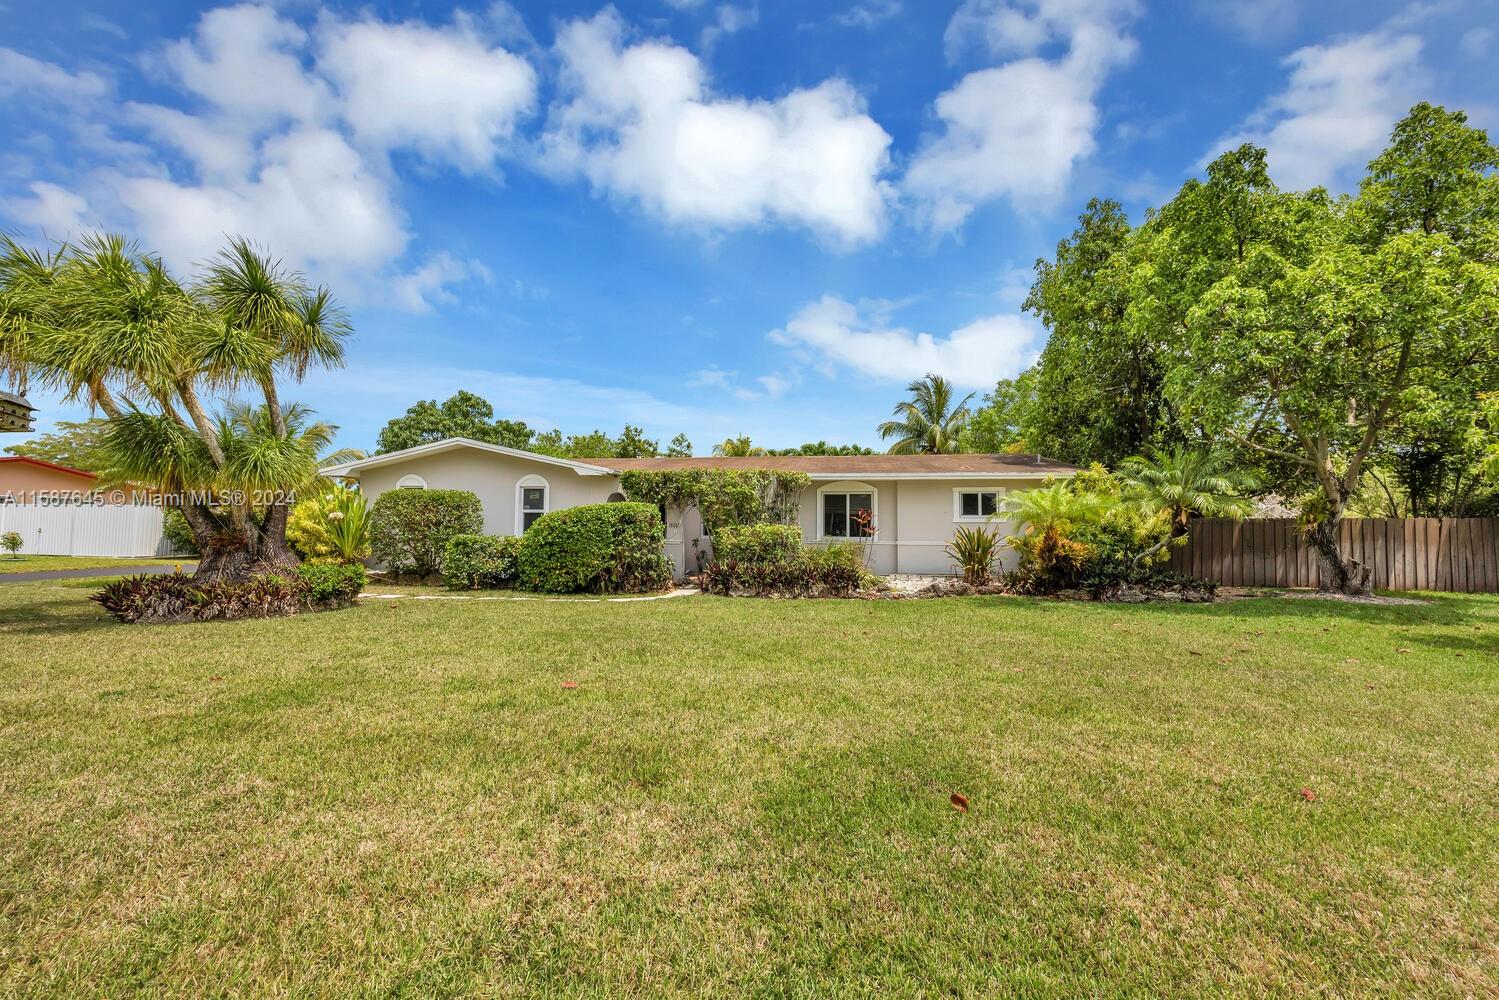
(481,562)
(810,574)
(757,543)
(411,529)
(331,583)
(596,548)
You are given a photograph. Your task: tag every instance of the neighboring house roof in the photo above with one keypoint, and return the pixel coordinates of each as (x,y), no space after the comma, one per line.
(450,444)
(864,466)
(816,466)
(47,465)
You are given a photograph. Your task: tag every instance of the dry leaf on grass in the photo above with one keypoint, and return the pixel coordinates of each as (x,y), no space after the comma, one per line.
(959,802)
(569,685)
(1308,795)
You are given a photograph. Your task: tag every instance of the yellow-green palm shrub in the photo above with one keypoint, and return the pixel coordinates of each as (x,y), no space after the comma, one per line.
(332,523)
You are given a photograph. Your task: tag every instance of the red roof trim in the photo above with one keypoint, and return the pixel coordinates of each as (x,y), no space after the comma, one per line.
(49,465)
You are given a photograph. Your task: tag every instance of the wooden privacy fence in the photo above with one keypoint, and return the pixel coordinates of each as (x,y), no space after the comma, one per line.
(1414,553)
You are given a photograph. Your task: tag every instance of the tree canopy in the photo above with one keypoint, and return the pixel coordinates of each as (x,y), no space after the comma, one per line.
(78,444)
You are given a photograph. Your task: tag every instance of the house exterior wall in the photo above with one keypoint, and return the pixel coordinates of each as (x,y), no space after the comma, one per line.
(914,517)
(24,482)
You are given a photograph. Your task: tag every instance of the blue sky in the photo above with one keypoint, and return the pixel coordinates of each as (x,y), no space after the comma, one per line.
(718,218)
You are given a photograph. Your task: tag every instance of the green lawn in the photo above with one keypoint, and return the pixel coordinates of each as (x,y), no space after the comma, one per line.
(24,563)
(751,797)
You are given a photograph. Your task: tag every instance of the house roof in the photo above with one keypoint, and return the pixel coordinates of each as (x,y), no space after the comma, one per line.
(862,466)
(823,467)
(47,465)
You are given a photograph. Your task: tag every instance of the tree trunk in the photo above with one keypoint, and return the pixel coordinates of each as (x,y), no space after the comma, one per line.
(1338,574)
(276,554)
(228,553)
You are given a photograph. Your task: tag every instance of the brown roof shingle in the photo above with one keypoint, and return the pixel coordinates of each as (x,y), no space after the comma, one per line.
(987,465)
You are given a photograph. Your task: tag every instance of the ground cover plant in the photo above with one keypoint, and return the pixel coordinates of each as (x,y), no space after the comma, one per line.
(751,797)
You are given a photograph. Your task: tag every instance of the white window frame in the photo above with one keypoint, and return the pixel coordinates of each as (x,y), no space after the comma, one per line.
(530,483)
(411,481)
(848,487)
(957,504)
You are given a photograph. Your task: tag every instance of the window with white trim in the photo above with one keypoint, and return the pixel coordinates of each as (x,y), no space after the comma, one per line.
(975,505)
(848,515)
(532,494)
(411,483)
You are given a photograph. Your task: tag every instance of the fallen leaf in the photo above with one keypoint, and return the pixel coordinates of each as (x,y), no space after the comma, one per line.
(959,802)
(569,685)
(1403,649)
(216,677)
(1194,652)
(1369,686)
(1308,795)
(1020,670)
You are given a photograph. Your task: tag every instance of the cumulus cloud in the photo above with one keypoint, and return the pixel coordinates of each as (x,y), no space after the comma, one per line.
(247,61)
(428,283)
(1337,109)
(870,14)
(1017,130)
(443,91)
(769,386)
(833,333)
(55,211)
(641,123)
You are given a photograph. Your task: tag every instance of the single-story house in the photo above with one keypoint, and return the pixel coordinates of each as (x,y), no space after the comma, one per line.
(915,502)
(31,480)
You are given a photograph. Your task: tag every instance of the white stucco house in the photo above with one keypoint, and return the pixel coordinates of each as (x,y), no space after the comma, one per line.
(916,502)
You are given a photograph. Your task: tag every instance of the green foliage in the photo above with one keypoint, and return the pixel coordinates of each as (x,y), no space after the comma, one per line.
(332,522)
(815,571)
(595,548)
(724,497)
(481,562)
(463,414)
(410,529)
(1179,483)
(738,447)
(12,542)
(751,543)
(76,444)
(1053,506)
(680,447)
(349,525)
(176,530)
(331,582)
(1004,421)
(974,550)
(930,421)
(822,448)
(631,443)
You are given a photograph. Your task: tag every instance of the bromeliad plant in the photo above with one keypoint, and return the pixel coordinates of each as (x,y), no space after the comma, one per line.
(975,550)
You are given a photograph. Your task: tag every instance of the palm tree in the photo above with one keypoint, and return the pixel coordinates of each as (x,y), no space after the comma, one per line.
(1051,507)
(104,323)
(928,422)
(737,447)
(1181,483)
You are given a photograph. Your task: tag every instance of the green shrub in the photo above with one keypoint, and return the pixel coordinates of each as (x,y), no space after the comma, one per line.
(974,550)
(331,582)
(813,572)
(481,562)
(410,529)
(176,530)
(11,542)
(757,543)
(599,548)
(334,521)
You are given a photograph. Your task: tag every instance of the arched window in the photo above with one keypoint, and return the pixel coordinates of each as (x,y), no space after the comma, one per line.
(411,483)
(616,497)
(533,496)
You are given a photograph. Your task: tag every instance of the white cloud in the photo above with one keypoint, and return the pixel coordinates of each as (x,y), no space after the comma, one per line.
(870,14)
(19,72)
(417,291)
(1475,42)
(1337,110)
(714,377)
(247,62)
(1259,20)
(834,333)
(55,211)
(729,19)
(641,123)
(443,91)
(1018,129)
(215,151)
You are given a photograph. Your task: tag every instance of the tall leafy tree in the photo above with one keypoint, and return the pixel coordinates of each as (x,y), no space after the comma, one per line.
(463,414)
(931,421)
(680,447)
(106,324)
(1005,420)
(1313,327)
(1097,394)
(78,444)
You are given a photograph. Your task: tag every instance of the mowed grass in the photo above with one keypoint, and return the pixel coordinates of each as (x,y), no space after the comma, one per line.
(751,798)
(23,563)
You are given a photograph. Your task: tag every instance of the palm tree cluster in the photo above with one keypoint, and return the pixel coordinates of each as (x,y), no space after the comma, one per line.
(929,422)
(104,323)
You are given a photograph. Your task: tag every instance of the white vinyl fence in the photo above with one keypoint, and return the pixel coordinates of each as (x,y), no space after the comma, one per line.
(86,529)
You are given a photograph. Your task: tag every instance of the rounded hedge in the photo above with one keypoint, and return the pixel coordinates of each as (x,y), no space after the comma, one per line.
(757,543)
(410,529)
(475,562)
(598,548)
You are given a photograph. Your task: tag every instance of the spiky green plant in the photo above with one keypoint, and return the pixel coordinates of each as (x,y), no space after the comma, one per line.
(974,550)
(930,421)
(1178,484)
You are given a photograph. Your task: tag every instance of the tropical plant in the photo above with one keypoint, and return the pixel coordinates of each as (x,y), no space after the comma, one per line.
(1054,506)
(737,447)
(974,550)
(11,542)
(929,422)
(104,323)
(722,496)
(1178,484)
